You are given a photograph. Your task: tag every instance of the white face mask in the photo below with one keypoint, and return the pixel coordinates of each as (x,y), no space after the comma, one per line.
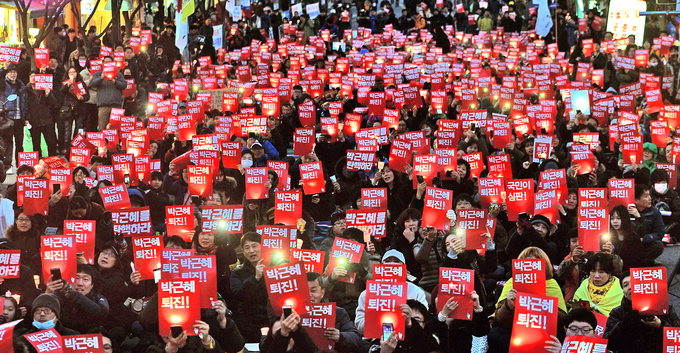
(246,163)
(653,64)
(661,188)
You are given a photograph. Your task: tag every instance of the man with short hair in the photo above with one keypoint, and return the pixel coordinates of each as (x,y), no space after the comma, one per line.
(82,307)
(579,322)
(45,315)
(109,93)
(16,110)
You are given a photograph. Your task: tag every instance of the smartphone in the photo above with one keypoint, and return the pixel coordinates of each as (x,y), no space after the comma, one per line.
(392,130)
(126,179)
(156,275)
(287,311)
(334,179)
(56,274)
(420,178)
(56,188)
(387,330)
(176,330)
(473,126)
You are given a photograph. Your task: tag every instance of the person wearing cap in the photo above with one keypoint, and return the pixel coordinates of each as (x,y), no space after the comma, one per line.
(338,225)
(263,151)
(45,315)
(413,291)
(533,233)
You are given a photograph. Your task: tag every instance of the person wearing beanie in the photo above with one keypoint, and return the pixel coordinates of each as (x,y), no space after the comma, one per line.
(338,227)
(414,292)
(16,109)
(46,314)
(82,307)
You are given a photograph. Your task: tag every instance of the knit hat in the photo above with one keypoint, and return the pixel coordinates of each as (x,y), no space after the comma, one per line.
(541,219)
(336,216)
(48,301)
(651,147)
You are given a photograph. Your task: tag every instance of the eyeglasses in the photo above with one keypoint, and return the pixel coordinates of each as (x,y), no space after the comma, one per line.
(108,253)
(582,330)
(46,311)
(340,223)
(23,219)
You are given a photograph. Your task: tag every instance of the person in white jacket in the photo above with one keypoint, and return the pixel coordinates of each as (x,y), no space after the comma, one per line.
(413,292)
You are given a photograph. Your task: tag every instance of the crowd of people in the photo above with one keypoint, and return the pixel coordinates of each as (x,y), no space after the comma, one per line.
(430,68)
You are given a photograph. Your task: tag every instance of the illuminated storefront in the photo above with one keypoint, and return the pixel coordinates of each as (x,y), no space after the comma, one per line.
(9,24)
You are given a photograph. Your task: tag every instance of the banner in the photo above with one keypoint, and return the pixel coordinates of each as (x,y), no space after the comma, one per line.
(42,82)
(84,235)
(458,284)
(649,290)
(383,301)
(132,222)
(287,285)
(222,217)
(534,322)
(204,270)
(58,251)
(147,251)
(179,304)
(528,276)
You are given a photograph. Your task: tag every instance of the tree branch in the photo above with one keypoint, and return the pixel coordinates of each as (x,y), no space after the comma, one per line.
(94,9)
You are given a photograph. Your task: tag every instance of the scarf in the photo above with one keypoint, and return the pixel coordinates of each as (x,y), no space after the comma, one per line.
(551,287)
(608,296)
(199,250)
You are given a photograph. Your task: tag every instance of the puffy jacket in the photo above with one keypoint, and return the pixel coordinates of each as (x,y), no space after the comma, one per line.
(40,106)
(20,105)
(109,93)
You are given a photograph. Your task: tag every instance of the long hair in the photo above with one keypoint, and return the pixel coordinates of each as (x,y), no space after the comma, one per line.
(626,226)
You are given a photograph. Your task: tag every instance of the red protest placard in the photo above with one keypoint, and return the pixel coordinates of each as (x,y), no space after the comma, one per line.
(227,218)
(458,284)
(621,192)
(147,254)
(427,166)
(281,169)
(671,339)
(374,198)
(312,259)
(42,82)
(476,161)
(92,343)
(10,263)
(58,251)
(631,149)
(36,196)
(649,290)
(307,114)
(287,285)
(42,57)
(179,304)
(170,262)
(592,197)
(204,270)
(370,221)
(584,344)
(319,317)
(344,252)
(287,207)
(6,334)
(437,203)
(122,166)
(132,222)
(80,156)
(61,177)
(256,178)
(473,222)
(84,234)
(499,166)
(382,306)
(389,272)
(546,204)
(231,155)
(115,197)
(542,148)
(180,221)
(534,322)
(400,155)
(312,177)
(592,224)
(528,275)
(28,158)
(200,181)
(519,197)
(660,132)
(303,141)
(360,160)
(555,180)
(46,341)
(277,241)
(491,191)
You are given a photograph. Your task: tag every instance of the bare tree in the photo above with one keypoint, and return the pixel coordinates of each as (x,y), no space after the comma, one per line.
(53,10)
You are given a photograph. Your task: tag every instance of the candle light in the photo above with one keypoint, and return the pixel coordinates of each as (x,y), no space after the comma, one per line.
(36,279)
